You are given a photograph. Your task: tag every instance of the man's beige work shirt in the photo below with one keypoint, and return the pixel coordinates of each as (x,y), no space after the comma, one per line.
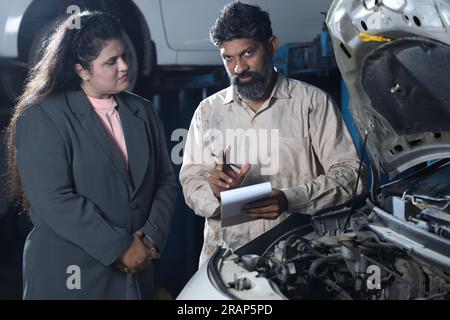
(297,140)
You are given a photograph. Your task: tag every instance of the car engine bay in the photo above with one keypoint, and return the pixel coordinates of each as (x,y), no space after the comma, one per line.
(398,249)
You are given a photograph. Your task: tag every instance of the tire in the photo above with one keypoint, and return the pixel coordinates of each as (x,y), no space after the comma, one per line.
(12,81)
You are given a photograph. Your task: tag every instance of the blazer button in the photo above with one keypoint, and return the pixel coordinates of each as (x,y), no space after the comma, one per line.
(134,205)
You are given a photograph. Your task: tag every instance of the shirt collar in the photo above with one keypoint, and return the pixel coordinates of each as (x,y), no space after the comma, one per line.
(229,95)
(105,105)
(279,91)
(281,88)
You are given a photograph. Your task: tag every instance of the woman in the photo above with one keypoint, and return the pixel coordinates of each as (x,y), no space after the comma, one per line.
(89,161)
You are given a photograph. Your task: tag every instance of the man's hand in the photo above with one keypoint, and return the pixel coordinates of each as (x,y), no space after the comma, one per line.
(225,178)
(269,208)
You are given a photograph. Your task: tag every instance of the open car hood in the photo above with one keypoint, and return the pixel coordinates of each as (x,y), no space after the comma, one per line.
(394,56)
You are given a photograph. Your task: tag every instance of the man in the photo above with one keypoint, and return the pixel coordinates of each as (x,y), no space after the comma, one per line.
(280,130)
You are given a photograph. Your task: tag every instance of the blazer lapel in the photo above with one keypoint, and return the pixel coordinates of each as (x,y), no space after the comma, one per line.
(139,144)
(81,106)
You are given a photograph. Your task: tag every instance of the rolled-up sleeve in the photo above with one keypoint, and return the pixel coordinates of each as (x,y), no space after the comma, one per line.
(198,164)
(337,155)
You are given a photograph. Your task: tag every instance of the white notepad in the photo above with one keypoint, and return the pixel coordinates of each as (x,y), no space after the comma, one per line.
(232,202)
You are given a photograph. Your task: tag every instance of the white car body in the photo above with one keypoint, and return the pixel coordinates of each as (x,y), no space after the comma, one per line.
(182,39)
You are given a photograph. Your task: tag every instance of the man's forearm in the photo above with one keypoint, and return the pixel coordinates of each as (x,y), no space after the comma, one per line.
(328,190)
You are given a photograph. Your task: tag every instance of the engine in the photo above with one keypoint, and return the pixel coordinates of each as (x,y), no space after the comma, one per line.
(345,265)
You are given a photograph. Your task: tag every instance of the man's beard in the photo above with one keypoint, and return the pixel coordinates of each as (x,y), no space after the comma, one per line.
(254,89)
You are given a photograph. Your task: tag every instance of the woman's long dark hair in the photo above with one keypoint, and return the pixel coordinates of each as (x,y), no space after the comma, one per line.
(55,72)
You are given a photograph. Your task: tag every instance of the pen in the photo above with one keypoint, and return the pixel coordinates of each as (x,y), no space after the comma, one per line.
(237,166)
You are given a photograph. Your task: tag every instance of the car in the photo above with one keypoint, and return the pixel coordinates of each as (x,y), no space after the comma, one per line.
(393,57)
(160,35)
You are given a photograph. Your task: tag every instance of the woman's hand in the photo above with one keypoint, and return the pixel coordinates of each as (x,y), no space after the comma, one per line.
(137,257)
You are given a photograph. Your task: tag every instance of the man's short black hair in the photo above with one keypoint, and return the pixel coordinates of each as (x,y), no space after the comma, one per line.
(238,20)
